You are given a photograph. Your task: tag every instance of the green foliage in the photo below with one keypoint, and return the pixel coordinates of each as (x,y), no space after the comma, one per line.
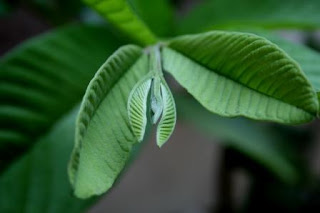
(122,16)
(168,119)
(256,140)
(229,73)
(137,108)
(234,74)
(104,138)
(222,14)
(37,182)
(157,14)
(308,59)
(55,68)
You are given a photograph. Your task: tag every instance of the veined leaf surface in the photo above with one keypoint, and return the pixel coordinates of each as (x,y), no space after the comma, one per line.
(104,138)
(121,15)
(235,74)
(308,59)
(168,119)
(137,108)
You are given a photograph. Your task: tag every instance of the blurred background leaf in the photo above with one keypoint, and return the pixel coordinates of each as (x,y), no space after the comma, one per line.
(38,182)
(45,77)
(270,14)
(157,14)
(124,20)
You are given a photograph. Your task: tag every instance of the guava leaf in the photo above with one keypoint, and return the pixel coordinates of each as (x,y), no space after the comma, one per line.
(241,74)
(37,182)
(45,77)
(157,14)
(104,138)
(168,118)
(268,14)
(308,59)
(138,106)
(121,15)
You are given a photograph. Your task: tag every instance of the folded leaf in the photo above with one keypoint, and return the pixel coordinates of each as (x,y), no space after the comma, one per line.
(121,15)
(168,119)
(104,138)
(222,14)
(137,108)
(239,74)
(45,77)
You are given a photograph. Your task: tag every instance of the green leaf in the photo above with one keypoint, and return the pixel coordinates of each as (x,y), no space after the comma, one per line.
(222,14)
(121,15)
(37,182)
(308,59)
(168,119)
(137,108)
(104,138)
(45,77)
(157,14)
(239,74)
(256,140)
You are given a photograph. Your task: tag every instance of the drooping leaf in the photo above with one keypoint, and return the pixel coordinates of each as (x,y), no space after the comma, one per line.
(121,15)
(38,182)
(157,14)
(104,138)
(168,119)
(239,74)
(45,77)
(222,14)
(254,139)
(137,108)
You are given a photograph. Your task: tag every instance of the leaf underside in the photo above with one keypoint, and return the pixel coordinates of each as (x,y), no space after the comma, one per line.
(119,13)
(168,119)
(104,138)
(239,74)
(137,108)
